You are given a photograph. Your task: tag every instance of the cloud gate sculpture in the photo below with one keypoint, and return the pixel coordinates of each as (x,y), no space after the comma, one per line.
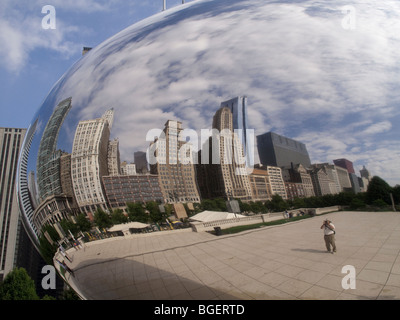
(302,66)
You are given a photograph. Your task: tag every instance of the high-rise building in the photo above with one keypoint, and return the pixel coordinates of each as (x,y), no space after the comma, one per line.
(238,107)
(10,143)
(320,180)
(279,151)
(128,169)
(131,188)
(223,165)
(276,181)
(344,163)
(298,174)
(260,185)
(25,194)
(141,162)
(89,162)
(348,165)
(114,166)
(365,174)
(344,180)
(175,165)
(330,170)
(48,160)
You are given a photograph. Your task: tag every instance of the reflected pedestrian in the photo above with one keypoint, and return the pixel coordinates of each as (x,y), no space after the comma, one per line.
(64,254)
(65,267)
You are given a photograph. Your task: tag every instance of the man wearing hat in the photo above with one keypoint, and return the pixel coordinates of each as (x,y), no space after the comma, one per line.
(329,235)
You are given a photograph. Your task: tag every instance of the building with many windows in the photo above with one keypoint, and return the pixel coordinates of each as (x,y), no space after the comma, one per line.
(48,160)
(260,185)
(174,165)
(10,145)
(276,181)
(114,165)
(344,180)
(223,161)
(89,162)
(238,108)
(320,180)
(298,174)
(120,190)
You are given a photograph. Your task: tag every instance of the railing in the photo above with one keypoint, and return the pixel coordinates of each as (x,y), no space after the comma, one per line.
(260,218)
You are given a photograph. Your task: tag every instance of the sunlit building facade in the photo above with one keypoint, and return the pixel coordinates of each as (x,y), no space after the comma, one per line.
(89,162)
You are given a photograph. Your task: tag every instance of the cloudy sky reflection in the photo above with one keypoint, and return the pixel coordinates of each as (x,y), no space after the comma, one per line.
(305,76)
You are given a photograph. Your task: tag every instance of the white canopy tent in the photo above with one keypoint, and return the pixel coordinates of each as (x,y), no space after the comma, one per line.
(207,216)
(126,226)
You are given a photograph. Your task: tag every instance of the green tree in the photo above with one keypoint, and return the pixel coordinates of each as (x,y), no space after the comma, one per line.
(396,194)
(102,219)
(67,224)
(357,203)
(118,217)
(17,285)
(378,189)
(344,198)
(209,205)
(46,248)
(299,203)
(83,222)
(276,203)
(154,212)
(220,204)
(379,203)
(136,212)
(244,206)
(257,207)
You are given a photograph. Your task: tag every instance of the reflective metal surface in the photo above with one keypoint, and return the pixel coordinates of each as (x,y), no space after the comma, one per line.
(301,64)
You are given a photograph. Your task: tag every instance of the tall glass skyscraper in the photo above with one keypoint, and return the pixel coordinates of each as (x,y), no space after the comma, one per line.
(48,163)
(238,107)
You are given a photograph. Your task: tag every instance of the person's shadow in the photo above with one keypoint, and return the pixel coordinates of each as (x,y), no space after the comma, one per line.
(309,250)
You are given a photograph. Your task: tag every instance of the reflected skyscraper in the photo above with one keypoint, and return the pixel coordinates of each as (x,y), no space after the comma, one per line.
(48,163)
(89,161)
(177,176)
(279,151)
(228,178)
(238,107)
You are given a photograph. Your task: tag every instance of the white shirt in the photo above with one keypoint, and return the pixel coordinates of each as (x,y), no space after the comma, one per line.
(328,231)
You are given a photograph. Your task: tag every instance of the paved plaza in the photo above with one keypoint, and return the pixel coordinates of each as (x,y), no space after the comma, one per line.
(288,261)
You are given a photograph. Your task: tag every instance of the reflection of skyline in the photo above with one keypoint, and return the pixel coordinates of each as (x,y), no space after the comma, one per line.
(153,72)
(48,161)
(296,87)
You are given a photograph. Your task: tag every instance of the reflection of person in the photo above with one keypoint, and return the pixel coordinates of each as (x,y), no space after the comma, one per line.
(329,235)
(64,254)
(64,265)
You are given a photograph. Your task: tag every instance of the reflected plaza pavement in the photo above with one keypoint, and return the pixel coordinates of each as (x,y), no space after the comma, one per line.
(282,262)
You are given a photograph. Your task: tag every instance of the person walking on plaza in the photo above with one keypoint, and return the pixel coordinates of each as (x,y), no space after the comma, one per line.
(329,235)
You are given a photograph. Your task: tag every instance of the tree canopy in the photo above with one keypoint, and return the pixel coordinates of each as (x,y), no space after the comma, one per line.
(17,285)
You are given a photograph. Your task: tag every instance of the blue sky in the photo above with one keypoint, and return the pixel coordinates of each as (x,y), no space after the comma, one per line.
(310,79)
(32,59)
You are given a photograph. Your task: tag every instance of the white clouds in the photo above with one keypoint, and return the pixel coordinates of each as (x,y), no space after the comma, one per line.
(20,34)
(379,127)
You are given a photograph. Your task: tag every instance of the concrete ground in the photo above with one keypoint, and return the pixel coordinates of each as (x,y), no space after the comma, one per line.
(288,261)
